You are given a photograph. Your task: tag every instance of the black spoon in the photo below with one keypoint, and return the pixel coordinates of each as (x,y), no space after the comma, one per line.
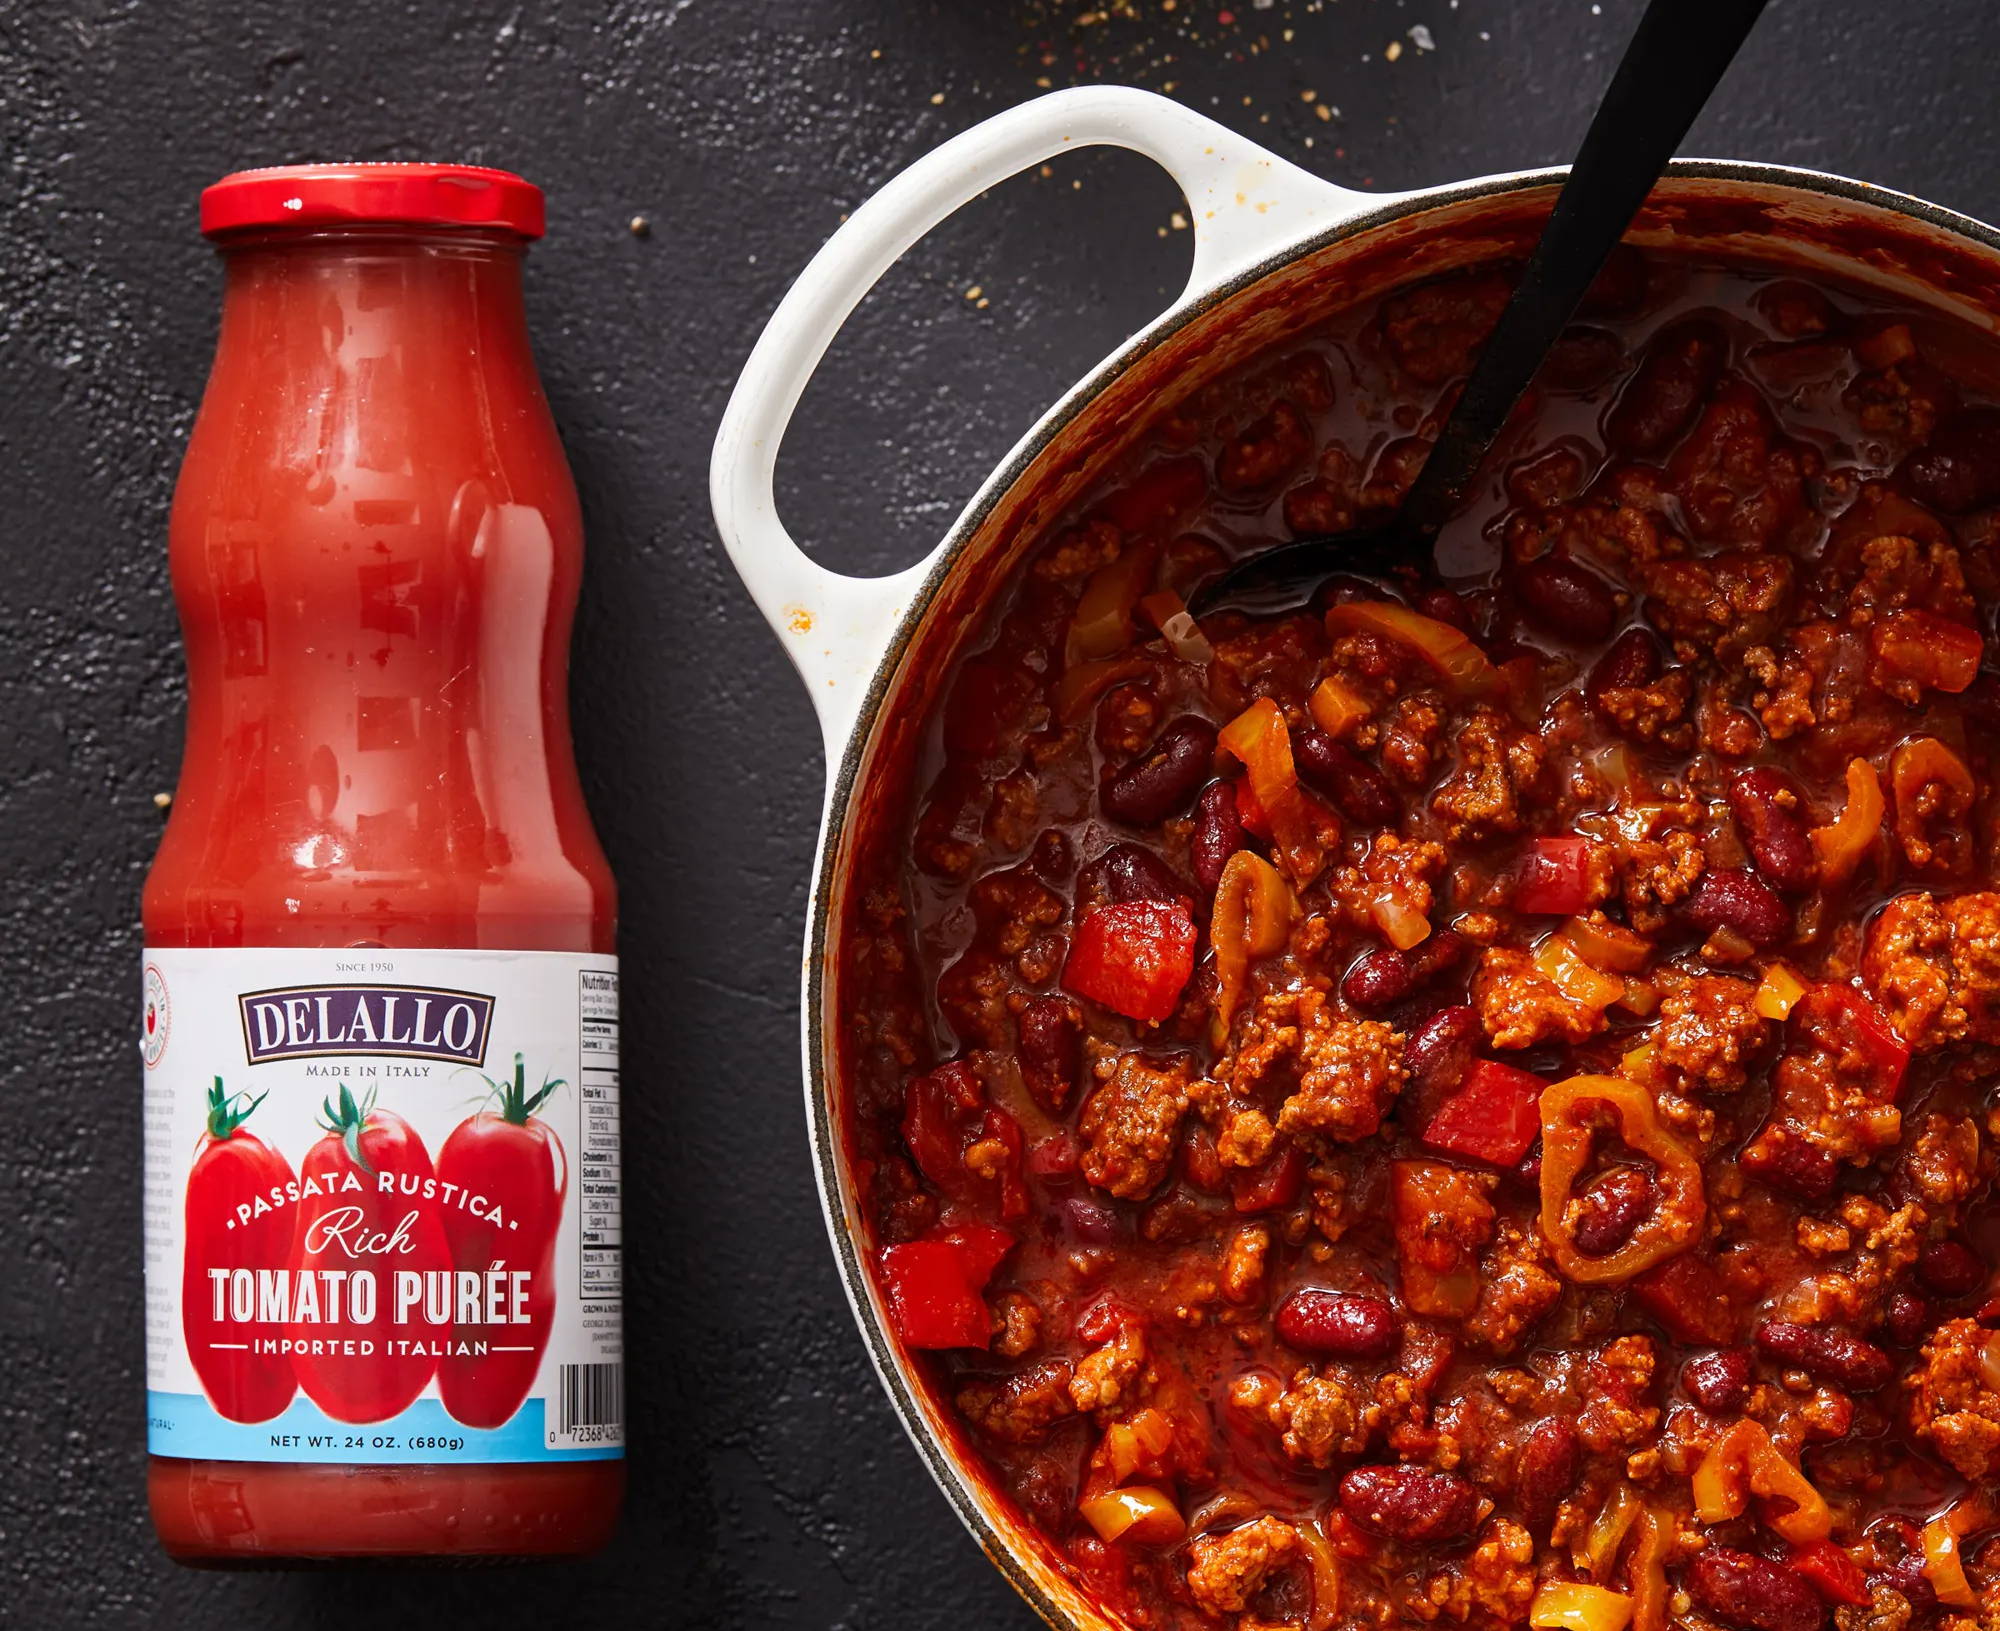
(1679,53)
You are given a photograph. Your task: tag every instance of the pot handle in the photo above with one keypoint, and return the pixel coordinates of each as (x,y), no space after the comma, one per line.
(1245,205)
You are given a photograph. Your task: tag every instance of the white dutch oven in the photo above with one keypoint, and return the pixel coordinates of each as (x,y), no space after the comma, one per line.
(1276,250)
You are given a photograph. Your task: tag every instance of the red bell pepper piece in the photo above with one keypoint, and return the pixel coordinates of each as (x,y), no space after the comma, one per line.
(1248,811)
(1835,1575)
(1493,1117)
(1103,1320)
(512,1157)
(1688,1297)
(1553,877)
(1053,1157)
(1887,1052)
(1275,1184)
(937,1113)
(933,1285)
(1200,1165)
(1003,1129)
(931,1299)
(981,1246)
(1934,651)
(1132,958)
(238,1217)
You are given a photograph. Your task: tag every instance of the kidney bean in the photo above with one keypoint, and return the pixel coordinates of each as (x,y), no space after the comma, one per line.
(1381,979)
(1959,469)
(1769,807)
(1720,1381)
(1910,1320)
(1439,1052)
(1091,1221)
(1668,388)
(1736,898)
(1386,976)
(1052,857)
(1175,1219)
(1337,1324)
(1909,1580)
(1610,1208)
(1751,1592)
(1218,834)
(1360,791)
(1582,359)
(1161,780)
(1546,1471)
(1444,606)
(1409,1504)
(1048,1041)
(1130,872)
(1802,1168)
(1950,1268)
(1836,1356)
(1633,659)
(1564,599)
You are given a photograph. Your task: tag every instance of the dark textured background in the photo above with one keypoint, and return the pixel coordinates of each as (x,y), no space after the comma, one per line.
(771,1487)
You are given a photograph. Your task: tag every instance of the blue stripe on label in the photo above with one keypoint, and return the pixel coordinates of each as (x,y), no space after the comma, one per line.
(184,1424)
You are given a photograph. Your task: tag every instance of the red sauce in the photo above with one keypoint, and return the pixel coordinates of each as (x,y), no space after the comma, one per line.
(376,550)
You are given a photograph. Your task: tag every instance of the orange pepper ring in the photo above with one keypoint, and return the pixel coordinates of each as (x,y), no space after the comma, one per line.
(1253,916)
(1745,1451)
(1676,1219)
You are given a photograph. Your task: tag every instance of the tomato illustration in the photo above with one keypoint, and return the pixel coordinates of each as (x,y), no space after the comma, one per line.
(240,1216)
(369,1243)
(511,1167)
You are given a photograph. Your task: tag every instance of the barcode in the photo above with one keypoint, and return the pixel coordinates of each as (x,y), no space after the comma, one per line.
(592,1396)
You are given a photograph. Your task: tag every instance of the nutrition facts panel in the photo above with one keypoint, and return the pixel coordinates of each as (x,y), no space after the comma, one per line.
(597,1160)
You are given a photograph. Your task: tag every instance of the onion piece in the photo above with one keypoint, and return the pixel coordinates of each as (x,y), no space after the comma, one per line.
(1142,1513)
(1569,1606)
(1325,1610)
(1402,925)
(1103,624)
(1177,626)
(1606,945)
(1779,992)
(1842,843)
(1467,669)
(1337,707)
(1589,987)
(1083,683)
(1944,1565)
(1607,1532)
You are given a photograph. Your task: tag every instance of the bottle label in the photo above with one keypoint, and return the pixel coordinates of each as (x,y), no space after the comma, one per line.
(382,1205)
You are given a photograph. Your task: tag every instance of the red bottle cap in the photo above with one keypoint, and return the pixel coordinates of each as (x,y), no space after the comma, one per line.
(320,195)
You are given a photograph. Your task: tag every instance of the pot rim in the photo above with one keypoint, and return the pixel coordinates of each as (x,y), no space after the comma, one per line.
(845,778)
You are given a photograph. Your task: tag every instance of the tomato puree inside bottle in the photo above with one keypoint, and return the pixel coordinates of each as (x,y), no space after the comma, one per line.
(380,990)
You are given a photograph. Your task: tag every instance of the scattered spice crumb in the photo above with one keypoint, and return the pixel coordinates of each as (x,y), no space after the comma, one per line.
(1177,221)
(162,800)
(1324,110)
(1395,50)
(876,54)
(974,292)
(937,99)
(639,226)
